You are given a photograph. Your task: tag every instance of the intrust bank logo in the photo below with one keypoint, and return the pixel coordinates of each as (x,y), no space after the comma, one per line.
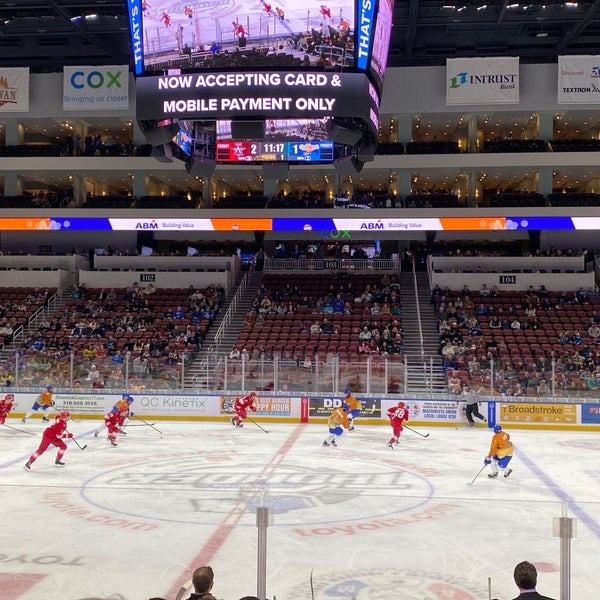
(502,80)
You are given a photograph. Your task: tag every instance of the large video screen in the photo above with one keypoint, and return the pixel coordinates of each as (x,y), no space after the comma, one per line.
(262,34)
(290,140)
(381,40)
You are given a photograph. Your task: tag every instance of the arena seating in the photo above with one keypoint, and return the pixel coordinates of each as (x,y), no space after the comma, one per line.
(522,356)
(290,332)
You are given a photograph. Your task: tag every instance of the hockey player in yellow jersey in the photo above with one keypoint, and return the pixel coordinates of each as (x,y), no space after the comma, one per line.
(355,407)
(338,421)
(500,454)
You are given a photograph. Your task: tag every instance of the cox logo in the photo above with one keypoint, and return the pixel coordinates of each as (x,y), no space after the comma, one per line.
(95,79)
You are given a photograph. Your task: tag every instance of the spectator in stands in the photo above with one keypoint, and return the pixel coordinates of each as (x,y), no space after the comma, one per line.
(178,313)
(338,304)
(365,335)
(495,323)
(364,347)
(594,332)
(454,383)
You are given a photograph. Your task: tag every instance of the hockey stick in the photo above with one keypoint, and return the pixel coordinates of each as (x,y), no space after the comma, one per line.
(312,589)
(139,424)
(415,431)
(478,474)
(261,428)
(79,445)
(149,424)
(17,429)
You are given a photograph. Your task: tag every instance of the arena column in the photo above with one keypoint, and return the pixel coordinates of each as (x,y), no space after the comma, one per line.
(13,184)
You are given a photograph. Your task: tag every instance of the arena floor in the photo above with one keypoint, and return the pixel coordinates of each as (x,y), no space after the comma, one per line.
(132,522)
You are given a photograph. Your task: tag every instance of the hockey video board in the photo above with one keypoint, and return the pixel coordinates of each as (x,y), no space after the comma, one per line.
(254,151)
(260,34)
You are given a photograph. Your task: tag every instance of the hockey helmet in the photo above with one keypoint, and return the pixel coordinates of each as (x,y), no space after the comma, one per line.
(9,397)
(497,429)
(129,398)
(345,407)
(252,394)
(401,404)
(64,416)
(347,391)
(49,388)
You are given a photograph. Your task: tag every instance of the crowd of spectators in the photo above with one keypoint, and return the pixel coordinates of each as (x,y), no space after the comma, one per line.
(95,145)
(101,337)
(478,336)
(371,314)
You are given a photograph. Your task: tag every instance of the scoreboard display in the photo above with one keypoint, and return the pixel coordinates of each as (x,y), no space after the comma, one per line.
(300,152)
(257,60)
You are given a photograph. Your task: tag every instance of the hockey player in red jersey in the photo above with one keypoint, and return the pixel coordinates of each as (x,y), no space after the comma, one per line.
(397,414)
(325,12)
(123,408)
(241,406)
(113,421)
(6,405)
(53,435)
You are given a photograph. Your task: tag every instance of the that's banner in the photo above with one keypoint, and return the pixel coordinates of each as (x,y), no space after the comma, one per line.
(475,81)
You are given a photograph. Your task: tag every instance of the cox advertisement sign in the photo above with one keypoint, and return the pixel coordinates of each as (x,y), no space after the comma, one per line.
(96,88)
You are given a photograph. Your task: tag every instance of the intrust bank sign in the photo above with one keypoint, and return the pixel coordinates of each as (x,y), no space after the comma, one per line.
(492,80)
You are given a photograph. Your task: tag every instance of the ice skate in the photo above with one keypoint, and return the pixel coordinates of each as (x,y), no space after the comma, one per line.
(23,420)
(390,445)
(59,463)
(351,428)
(233,421)
(324,444)
(492,475)
(239,424)
(333,443)
(507,474)
(45,419)
(27,466)
(96,433)
(113,443)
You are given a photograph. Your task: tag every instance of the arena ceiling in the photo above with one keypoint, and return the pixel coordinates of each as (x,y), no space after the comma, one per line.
(47,34)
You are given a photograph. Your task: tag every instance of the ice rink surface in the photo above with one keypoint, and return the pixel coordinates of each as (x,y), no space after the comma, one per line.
(132,522)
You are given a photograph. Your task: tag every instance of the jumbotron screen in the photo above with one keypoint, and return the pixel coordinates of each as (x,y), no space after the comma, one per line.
(218,34)
(260,59)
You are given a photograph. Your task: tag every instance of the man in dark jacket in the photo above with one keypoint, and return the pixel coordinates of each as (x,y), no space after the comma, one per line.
(525,575)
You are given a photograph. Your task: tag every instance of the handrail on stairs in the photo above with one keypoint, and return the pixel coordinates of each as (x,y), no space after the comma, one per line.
(228,317)
(418,307)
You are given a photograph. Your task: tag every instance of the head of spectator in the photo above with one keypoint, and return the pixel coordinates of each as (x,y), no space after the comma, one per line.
(203,579)
(525,575)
